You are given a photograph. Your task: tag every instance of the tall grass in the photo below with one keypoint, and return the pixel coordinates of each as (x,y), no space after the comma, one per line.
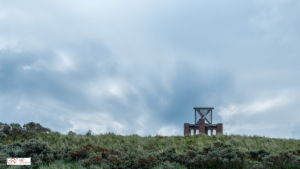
(160,143)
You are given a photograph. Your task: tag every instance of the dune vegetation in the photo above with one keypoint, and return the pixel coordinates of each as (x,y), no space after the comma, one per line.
(51,149)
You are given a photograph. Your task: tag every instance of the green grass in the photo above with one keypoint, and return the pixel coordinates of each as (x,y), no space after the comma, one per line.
(160,143)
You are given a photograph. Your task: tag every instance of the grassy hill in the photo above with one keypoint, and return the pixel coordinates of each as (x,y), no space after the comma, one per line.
(83,148)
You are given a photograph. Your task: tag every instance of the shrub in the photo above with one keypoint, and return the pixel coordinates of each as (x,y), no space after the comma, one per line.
(94,167)
(39,151)
(41,128)
(2,136)
(218,156)
(71,133)
(169,165)
(6,129)
(258,154)
(116,157)
(2,147)
(14,145)
(17,125)
(2,160)
(16,131)
(2,125)
(35,127)
(83,152)
(281,160)
(28,134)
(89,133)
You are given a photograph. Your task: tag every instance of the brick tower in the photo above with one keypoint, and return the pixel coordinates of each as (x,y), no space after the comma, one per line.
(203,122)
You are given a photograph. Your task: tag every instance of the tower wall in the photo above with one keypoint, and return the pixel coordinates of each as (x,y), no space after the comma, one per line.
(202,126)
(186,129)
(219,128)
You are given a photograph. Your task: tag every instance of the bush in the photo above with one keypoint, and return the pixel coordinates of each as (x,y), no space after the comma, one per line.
(169,165)
(2,136)
(218,156)
(257,155)
(71,133)
(16,131)
(2,125)
(94,167)
(15,125)
(82,152)
(6,129)
(281,160)
(39,151)
(117,157)
(2,147)
(28,134)
(2,160)
(89,133)
(35,127)
(14,145)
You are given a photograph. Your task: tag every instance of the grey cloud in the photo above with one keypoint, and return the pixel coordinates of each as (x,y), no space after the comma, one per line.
(141,67)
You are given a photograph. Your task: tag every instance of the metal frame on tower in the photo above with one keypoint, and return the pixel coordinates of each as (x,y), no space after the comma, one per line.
(203,116)
(204,123)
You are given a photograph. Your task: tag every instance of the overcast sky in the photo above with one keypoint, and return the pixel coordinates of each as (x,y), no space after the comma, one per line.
(140,67)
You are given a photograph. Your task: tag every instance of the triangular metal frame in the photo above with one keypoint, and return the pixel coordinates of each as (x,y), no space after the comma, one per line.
(203,116)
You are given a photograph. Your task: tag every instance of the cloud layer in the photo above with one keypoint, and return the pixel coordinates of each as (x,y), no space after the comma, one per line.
(140,67)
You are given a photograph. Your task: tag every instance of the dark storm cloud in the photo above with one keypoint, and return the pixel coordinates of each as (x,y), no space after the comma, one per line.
(141,66)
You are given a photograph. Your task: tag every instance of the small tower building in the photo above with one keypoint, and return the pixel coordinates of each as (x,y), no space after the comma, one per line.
(203,122)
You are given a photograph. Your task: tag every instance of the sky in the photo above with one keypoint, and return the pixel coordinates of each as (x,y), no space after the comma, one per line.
(140,67)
